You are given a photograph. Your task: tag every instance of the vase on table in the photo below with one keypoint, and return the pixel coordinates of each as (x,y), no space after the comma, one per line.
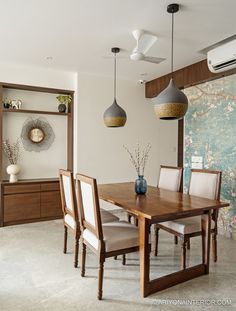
(140,185)
(13,170)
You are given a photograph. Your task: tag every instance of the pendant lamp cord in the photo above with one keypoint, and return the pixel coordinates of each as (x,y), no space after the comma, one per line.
(114,75)
(172,45)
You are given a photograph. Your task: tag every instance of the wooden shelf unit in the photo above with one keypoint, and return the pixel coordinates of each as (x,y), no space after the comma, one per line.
(33,199)
(36,112)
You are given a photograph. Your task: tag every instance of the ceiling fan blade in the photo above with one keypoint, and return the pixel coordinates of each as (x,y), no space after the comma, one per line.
(151,59)
(144,43)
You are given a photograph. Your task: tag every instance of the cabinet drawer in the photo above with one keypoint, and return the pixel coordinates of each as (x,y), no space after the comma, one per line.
(50,186)
(21,206)
(51,204)
(27,188)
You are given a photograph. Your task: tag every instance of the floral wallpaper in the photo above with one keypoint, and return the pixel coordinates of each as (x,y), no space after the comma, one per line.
(210,140)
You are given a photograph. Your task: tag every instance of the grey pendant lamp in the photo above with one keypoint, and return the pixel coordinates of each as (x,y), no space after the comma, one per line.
(171,103)
(115,116)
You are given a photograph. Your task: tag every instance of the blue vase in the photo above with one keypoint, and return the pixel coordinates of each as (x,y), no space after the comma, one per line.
(140,185)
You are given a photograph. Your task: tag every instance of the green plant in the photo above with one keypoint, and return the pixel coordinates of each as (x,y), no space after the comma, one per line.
(64,99)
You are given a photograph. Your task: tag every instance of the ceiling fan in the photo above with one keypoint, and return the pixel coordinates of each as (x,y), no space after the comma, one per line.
(144,42)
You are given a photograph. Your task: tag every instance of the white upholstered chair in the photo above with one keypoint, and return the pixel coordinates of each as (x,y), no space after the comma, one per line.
(105,240)
(169,179)
(205,184)
(70,210)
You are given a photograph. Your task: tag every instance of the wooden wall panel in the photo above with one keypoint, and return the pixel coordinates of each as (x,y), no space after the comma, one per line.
(187,76)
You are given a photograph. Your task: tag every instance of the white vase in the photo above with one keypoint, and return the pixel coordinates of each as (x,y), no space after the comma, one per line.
(13,170)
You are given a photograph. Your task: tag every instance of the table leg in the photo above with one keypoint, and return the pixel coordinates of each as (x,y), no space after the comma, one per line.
(206,239)
(144,255)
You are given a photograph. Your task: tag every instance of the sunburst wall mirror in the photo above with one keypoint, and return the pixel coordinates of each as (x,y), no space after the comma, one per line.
(37,134)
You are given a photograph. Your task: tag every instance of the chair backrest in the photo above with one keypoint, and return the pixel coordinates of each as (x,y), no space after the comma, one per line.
(88,203)
(68,196)
(170,178)
(205,184)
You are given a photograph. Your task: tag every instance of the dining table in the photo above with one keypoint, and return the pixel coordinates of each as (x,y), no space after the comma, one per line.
(159,205)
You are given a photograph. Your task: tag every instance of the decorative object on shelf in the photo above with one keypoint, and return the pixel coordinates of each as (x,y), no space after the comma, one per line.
(115,116)
(15,104)
(37,134)
(6,104)
(171,103)
(12,152)
(64,100)
(139,159)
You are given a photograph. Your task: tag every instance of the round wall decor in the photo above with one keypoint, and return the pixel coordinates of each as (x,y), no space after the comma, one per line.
(37,134)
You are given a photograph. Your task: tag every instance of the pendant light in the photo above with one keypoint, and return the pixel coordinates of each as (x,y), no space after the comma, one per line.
(171,103)
(114,116)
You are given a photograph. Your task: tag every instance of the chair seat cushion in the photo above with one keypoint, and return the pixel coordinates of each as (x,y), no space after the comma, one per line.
(116,235)
(108,217)
(186,225)
(69,220)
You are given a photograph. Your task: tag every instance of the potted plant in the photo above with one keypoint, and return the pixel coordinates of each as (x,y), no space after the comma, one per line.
(12,152)
(64,100)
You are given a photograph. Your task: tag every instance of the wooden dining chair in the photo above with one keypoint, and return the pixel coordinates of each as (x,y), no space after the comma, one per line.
(70,211)
(205,184)
(105,240)
(169,179)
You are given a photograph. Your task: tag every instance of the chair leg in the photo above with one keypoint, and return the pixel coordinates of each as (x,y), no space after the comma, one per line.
(65,239)
(100,278)
(183,256)
(115,257)
(156,240)
(214,246)
(188,244)
(129,218)
(76,252)
(123,260)
(176,239)
(83,260)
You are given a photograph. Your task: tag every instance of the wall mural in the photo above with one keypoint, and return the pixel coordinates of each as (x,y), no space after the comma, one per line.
(210,140)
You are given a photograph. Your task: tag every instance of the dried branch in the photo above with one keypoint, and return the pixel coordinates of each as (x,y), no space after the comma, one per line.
(12,150)
(139,158)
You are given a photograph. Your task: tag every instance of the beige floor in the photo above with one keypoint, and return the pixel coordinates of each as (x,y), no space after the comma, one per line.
(36,275)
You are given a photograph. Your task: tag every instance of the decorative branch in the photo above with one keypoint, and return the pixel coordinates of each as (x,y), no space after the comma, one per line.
(139,158)
(220,94)
(12,150)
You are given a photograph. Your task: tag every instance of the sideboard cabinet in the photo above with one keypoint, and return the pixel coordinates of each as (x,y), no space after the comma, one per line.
(30,201)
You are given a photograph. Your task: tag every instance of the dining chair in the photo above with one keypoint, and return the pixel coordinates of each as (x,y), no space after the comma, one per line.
(169,179)
(105,240)
(70,211)
(205,184)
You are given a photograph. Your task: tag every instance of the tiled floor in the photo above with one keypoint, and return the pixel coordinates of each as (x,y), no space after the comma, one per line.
(36,275)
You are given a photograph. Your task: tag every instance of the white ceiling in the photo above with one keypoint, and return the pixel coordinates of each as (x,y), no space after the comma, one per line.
(79,34)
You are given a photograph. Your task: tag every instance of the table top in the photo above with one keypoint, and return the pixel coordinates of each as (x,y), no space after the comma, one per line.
(157,204)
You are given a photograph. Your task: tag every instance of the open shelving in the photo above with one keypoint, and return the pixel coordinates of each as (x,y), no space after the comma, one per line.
(37,199)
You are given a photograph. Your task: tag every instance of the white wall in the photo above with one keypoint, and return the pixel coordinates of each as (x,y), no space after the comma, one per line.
(100,149)
(37,76)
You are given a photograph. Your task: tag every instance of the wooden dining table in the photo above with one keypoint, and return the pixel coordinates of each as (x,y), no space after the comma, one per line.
(156,206)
